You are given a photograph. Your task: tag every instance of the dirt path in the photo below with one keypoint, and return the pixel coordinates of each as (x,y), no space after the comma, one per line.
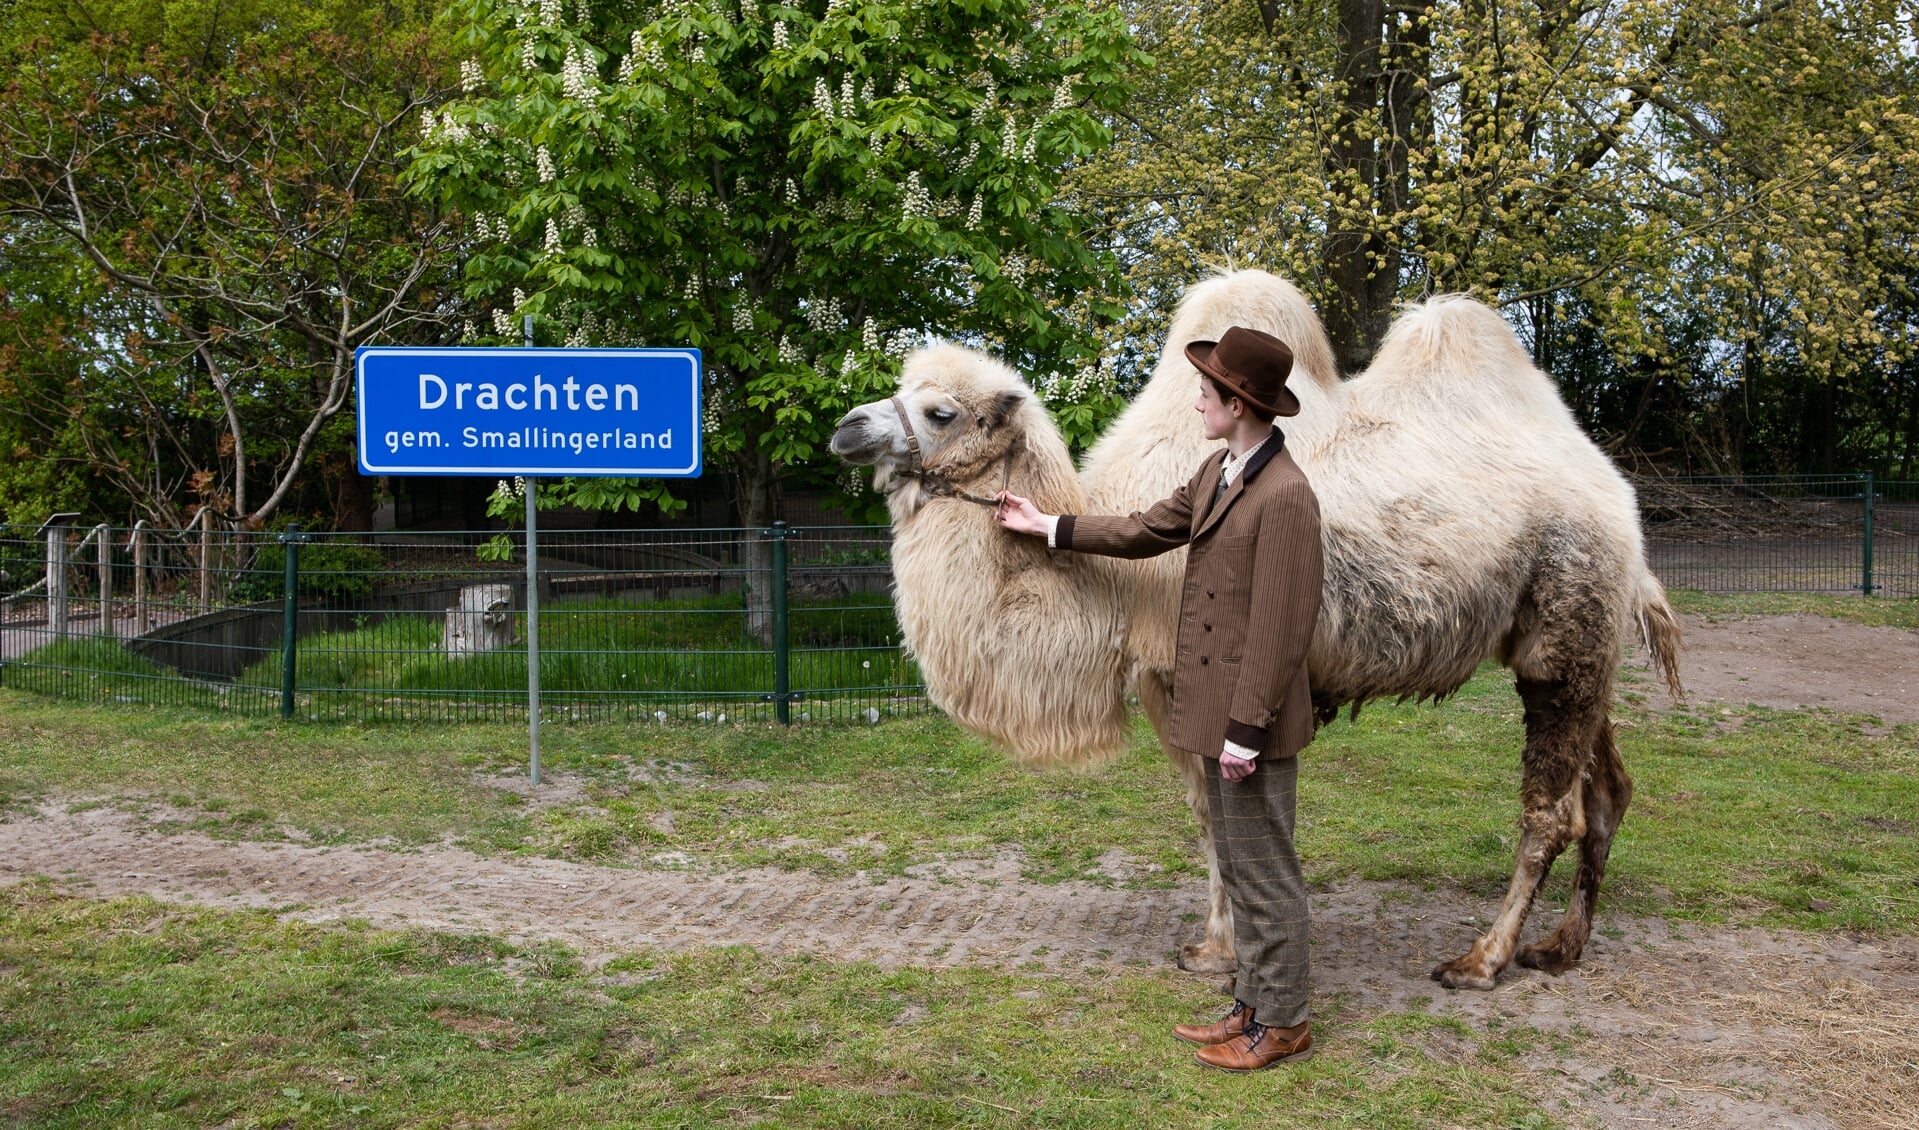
(1667,1023)
(1800,661)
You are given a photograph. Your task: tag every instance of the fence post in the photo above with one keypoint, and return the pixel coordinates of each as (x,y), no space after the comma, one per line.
(782,681)
(103,553)
(206,559)
(139,547)
(56,533)
(1866,570)
(290,634)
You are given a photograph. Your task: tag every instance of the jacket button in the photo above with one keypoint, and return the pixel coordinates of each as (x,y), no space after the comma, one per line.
(1203,661)
(1209,594)
(1209,627)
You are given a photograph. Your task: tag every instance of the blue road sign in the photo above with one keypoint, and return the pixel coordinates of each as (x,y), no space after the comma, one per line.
(529,411)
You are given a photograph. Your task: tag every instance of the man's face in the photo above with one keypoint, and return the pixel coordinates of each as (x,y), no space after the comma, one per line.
(1216,416)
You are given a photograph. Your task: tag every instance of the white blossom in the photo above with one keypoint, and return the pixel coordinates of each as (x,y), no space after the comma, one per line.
(692,288)
(1062,95)
(589,238)
(846,94)
(749,10)
(576,339)
(743,316)
(552,236)
(1009,142)
(550,14)
(789,354)
(466,330)
(822,98)
(519,298)
(543,161)
(870,336)
(866,92)
(779,35)
(502,323)
(914,200)
(972,155)
(1032,146)
(576,76)
(529,61)
(974,214)
(792,191)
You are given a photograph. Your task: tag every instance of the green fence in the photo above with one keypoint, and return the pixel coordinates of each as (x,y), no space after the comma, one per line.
(1803,533)
(779,624)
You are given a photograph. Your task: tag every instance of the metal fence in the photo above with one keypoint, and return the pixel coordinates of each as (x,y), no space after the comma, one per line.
(786,624)
(1755,533)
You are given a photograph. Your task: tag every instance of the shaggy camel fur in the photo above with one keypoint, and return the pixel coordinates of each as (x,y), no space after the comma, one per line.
(1464,515)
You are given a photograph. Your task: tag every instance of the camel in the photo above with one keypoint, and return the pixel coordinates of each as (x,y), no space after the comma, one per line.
(1465,516)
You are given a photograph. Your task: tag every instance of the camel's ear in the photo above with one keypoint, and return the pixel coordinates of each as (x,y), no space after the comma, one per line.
(1004,406)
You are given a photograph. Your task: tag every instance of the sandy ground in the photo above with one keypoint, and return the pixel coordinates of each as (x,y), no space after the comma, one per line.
(1666,1024)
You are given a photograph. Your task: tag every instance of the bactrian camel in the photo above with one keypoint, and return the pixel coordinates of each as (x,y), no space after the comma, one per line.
(1465,515)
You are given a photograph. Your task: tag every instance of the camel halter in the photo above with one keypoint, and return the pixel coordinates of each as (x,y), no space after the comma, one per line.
(934,483)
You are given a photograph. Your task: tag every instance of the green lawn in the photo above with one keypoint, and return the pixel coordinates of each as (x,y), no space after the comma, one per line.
(1806,820)
(131,1012)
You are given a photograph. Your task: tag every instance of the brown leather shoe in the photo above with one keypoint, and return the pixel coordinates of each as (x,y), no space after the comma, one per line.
(1206,1035)
(1259,1048)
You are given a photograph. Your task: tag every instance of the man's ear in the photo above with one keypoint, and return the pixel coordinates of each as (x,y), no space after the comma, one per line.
(1005,405)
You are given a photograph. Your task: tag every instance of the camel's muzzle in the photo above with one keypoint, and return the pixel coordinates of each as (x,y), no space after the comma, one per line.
(858,440)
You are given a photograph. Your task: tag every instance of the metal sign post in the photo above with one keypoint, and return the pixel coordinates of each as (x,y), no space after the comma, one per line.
(532,612)
(527,413)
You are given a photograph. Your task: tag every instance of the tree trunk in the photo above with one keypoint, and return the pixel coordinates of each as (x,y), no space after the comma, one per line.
(353,496)
(758,505)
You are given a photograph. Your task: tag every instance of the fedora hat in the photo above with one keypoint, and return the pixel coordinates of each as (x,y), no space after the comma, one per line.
(1252,365)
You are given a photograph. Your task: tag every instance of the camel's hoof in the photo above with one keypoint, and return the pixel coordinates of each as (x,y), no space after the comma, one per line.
(1457,974)
(1199,959)
(1546,959)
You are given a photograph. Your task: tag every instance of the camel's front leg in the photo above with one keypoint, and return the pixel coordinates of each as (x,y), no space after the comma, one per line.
(1215,953)
(1557,743)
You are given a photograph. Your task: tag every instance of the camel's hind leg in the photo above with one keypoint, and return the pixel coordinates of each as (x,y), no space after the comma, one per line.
(1214,954)
(1563,718)
(1608,790)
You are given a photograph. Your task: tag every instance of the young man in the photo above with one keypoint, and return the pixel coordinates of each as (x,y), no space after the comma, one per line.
(1240,696)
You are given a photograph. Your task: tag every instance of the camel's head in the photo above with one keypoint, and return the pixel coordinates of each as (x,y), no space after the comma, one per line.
(963,410)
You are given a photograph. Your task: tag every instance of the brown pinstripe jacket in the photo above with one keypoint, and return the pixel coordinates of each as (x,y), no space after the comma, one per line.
(1248,602)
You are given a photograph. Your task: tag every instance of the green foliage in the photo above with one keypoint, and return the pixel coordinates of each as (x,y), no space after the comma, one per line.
(1696,208)
(211,192)
(802,192)
(335,570)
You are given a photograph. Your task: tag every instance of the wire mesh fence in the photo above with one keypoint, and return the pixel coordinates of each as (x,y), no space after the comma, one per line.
(1754,533)
(788,624)
(651,625)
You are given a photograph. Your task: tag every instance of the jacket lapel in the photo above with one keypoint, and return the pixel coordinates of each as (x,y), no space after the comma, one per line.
(1260,458)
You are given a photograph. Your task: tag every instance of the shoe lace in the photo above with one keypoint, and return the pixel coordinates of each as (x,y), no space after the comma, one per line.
(1254,1032)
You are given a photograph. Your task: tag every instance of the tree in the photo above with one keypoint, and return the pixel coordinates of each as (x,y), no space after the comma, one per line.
(802,191)
(229,175)
(1643,164)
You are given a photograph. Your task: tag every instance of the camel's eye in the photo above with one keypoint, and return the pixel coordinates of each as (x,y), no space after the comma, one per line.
(941,416)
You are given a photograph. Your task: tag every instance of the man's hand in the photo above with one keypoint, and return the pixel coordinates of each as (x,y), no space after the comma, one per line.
(1236,768)
(1020,515)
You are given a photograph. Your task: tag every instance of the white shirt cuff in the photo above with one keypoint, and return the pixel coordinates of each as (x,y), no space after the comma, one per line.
(1052,529)
(1241,752)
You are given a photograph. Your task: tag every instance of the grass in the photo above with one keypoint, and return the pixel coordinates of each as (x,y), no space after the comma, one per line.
(637,657)
(1747,814)
(1876,611)
(132,1012)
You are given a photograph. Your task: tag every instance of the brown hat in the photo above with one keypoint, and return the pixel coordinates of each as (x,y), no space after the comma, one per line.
(1252,365)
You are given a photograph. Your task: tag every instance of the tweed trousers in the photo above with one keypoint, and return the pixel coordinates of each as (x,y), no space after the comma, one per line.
(1253,838)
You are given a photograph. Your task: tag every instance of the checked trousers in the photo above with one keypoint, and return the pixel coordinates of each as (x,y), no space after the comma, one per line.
(1253,838)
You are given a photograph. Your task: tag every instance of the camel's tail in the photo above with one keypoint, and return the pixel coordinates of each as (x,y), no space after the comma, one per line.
(1659,624)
